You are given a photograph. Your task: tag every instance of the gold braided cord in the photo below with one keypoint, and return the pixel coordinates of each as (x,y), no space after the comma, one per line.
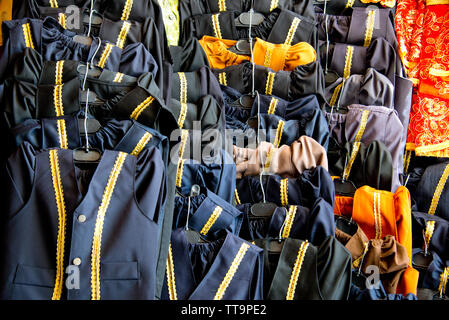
(274,4)
(407,158)
(357,261)
(127,10)
(170,270)
(58,72)
(296,271)
(216,24)
(118,77)
(369,27)
(443,281)
(62,19)
(180,172)
(96,242)
(231,272)
(183,99)
(222,5)
(222,78)
(363,122)
(123,34)
(237,198)
(273,105)
(289,221)
(335,95)
(355,151)
(212,219)
(292,31)
(430,228)
(180,169)
(377,215)
(270,83)
(54,4)
(439,191)
(348,62)
(284,192)
(349,4)
(141,144)
(62,133)
(60,205)
(105,55)
(27,36)
(141,107)
(279,131)
(268,55)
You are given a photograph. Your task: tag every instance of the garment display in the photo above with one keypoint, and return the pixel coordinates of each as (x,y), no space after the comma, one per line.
(224,149)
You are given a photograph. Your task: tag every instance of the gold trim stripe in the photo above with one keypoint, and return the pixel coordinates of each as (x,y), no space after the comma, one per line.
(127,10)
(96,241)
(269,158)
(183,99)
(284,192)
(289,221)
(237,198)
(349,4)
(439,191)
(436,2)
(62,19)
(105,55)
(279,131)
(273,105)
(292,31)
(268,55)
(407,158)
(356,146)
(296,270)
(335,94)
(216,24)
(430,228)
(212,219)
(443,281)
(355,151)
(348,61)
(369,27)
(118,77)
(54,4)
(222,5)
(27,35)
(357,261)
(270,82)
(141,144)
(179,173)
(62,132)
(231,272)
(377,215)
(170,269)
(274,4)
(141,107)
(58,72)
(222,78)
(123,34)
(60,204)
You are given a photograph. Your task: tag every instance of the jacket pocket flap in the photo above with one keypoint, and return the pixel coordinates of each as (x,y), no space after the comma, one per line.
(35,276)
(119,270)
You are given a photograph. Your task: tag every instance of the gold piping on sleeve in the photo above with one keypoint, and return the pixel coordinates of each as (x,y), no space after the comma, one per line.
(212,219)
(296,271)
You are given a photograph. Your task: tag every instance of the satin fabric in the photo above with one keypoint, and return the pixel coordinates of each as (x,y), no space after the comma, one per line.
(381,213)
(286,161)
(439,239)
(275,56)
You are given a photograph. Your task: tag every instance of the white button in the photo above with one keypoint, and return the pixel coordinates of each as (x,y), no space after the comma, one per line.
(77,261)
(81,218)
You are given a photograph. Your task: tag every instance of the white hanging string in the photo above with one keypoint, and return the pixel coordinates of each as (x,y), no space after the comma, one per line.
(327,36)
(90,16)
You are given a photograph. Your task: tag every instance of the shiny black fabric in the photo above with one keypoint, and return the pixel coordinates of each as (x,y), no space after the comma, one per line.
(289,85)
(372,165)
(325,273)
(303,190)
(29,206)
(274,28)
(189,57)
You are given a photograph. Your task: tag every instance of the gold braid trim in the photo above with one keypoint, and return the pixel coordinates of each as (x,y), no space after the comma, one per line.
(289,221)
(141,107)
(212,219)
(123,34)
(127,10)
(141,144)
(439,191)
(296,271)
(284,192)
(170,270)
